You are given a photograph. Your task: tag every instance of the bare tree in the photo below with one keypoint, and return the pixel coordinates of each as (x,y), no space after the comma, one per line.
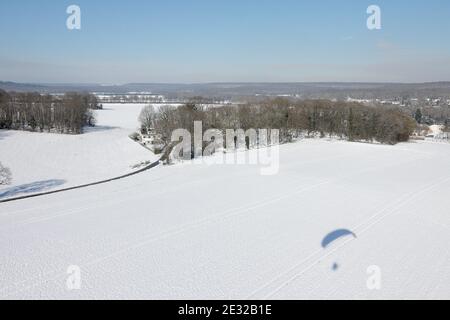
(351,121)
(147,118)
(33,111)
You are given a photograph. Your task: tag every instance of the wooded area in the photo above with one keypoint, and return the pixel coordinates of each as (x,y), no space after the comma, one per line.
(67,113)
(293,119)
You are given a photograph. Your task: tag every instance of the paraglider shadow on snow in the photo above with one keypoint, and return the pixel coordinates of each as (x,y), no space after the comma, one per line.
(332,236)
(33,187)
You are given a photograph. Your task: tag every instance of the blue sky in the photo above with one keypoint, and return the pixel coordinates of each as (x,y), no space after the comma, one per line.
(224,41)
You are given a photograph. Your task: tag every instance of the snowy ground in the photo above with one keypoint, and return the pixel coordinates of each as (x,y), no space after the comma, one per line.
(43,161)
(199,231)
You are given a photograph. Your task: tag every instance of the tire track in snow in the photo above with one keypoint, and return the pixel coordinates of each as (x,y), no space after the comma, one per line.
(150,238)
(280,282)
(147,239)
(62,213)
(127,190)
(40,194)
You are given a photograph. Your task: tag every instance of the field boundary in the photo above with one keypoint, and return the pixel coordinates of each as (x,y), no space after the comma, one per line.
(34,195)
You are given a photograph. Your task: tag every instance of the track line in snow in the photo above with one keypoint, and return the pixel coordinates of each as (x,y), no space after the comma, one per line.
(228,213)
(41,194)
(204,221)
(365,226)
(97,204)
(175,231)
(145,194)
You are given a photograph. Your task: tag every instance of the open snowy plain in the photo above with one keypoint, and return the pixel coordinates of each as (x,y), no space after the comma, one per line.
(225,231)
(43,161)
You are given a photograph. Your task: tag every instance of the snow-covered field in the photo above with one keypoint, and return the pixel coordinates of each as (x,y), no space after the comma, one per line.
(43,161)
(199,231)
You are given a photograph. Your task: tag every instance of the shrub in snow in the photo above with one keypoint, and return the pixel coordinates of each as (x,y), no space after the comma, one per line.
(5,175)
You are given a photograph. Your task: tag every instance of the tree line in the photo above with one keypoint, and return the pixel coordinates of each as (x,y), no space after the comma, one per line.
(433,115)
(67,113)
(293,119)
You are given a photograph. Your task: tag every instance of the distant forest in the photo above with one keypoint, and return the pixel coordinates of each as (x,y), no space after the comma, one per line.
(240,91)
(67,113)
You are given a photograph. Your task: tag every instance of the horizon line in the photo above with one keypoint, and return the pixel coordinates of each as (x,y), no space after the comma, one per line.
(217,82)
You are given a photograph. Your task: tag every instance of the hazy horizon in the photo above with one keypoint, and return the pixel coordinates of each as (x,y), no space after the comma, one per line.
(220,83)
(187,42)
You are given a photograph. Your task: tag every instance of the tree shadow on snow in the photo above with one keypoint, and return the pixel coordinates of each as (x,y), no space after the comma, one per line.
(34,187)
(4,134)
(98,128)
